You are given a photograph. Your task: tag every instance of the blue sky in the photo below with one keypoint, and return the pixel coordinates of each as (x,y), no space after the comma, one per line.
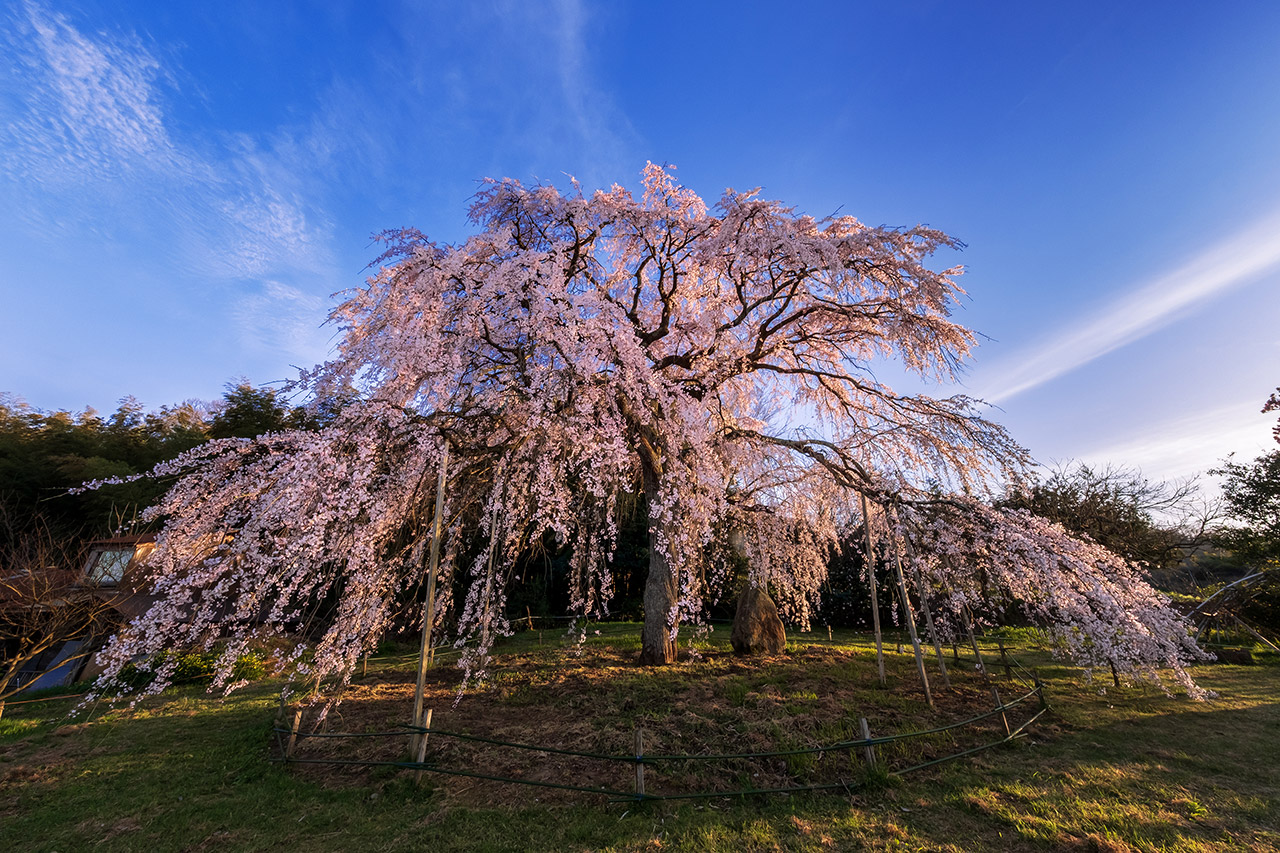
(184,185)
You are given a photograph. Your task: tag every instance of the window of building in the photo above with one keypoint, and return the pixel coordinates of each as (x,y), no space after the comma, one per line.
(106,566)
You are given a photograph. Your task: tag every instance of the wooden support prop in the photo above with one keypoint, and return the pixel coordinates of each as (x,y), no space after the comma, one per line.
(1115,676)
(421,754)
(869,750)
(293,734)
(364,665)
(995,694)
(1044,702)
(955,653)
(1004,660)
(871,577)
(829,637)
(639,746)
(529,614)
(429,606)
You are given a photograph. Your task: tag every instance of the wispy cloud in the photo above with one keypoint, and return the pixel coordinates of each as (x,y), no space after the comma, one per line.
(88,151)
(88,107)
(281,320)
(1191,444)
(602,128)
(1231,263)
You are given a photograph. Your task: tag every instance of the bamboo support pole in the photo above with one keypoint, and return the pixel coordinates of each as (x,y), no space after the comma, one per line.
(1256,635)
(871,578)
(488,578)
(909,617)
(973,641)
(928,623)
(429,606)
(488,594)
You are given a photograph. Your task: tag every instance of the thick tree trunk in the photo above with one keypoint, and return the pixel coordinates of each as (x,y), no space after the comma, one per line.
(661,591)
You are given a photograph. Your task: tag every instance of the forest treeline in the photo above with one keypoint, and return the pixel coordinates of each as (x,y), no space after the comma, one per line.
(45,455)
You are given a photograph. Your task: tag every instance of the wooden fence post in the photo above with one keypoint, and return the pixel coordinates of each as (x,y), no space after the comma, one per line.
(293,734)
(639,748)
(868,750)
(422,746)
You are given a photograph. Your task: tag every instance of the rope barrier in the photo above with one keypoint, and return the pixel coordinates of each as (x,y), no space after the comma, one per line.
(652,759)
(630,759)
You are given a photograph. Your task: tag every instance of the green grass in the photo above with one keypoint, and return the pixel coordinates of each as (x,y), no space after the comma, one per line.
(1131,769)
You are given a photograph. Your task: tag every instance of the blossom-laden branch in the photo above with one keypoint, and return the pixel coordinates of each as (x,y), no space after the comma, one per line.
(1095,604)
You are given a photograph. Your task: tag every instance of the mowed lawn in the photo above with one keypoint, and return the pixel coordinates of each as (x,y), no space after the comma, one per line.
(1130,768)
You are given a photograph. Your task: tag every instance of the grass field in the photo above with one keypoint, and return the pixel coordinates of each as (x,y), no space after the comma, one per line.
(1128,769)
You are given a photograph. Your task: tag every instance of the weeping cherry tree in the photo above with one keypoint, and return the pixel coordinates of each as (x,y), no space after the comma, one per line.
(579,348)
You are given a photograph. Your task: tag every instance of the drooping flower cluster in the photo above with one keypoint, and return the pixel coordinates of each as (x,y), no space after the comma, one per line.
(1095,604)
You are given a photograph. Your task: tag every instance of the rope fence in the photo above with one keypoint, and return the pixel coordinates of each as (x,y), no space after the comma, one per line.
(636,762)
